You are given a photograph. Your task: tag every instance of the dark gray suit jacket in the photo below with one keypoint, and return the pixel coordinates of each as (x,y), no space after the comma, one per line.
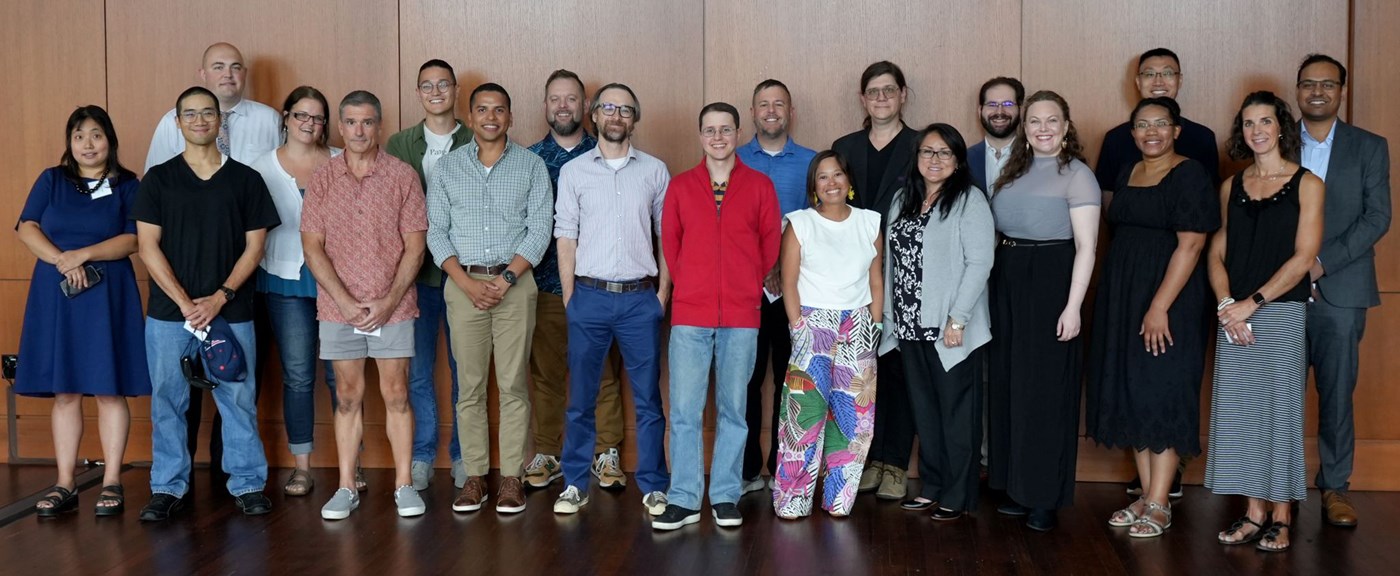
(1356,215)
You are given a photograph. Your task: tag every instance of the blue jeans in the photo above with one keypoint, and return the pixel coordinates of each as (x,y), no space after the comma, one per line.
(595,317)
(243,457)
(692,351)
(294,327)
(422,386)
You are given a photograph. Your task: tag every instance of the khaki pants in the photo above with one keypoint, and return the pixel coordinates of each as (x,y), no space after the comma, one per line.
(478,335)
(549,367)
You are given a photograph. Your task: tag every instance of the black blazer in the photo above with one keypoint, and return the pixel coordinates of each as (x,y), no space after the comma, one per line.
(977,162)
(852,148)
(1356,215)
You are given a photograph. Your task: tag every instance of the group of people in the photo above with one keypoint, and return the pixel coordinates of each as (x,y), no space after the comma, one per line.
(901,269)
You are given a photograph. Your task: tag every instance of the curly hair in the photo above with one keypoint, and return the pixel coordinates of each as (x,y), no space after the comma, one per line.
(1290,142)
(1021,154)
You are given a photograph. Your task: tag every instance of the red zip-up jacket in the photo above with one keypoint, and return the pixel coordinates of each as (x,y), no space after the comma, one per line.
(718,257)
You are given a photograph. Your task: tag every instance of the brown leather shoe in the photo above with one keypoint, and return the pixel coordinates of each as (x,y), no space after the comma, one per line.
(510,498)
(1337,509)
(472,496)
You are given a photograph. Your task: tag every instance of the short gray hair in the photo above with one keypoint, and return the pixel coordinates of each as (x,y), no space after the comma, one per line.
(362,98)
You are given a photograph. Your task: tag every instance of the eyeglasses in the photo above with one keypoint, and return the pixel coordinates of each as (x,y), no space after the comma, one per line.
(619,109)
(304,116)
(1326,85)
(944,154)
(1143,124)
(1004,104)
(442,86)
(207,114)
(1165,75)
(725,131)
(888,91)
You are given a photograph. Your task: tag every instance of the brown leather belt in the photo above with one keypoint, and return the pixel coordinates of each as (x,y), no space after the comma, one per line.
(614,287)
(487,270)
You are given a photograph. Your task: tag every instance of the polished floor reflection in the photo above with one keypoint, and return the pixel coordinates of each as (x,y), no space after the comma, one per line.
(612,536)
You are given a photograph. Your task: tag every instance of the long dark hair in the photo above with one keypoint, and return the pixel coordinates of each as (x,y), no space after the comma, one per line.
(879,69)
(812,173)
(69,164)
(953,189)
(1022,156)
(1290,142)
(302,93)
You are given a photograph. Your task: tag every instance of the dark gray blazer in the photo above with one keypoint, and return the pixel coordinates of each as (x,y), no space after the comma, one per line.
(1356,216)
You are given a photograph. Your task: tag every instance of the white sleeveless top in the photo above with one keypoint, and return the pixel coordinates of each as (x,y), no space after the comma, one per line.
(836,257)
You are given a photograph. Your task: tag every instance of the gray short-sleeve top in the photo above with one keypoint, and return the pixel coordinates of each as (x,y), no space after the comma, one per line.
(1036,206)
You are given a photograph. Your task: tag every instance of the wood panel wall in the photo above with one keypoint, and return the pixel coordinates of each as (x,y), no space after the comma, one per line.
(134,56)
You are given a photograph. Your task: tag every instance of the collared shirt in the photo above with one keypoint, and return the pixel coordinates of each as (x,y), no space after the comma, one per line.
(555,157)
(486,217)
(411,145)
(253,129)
(615,214)
(996,161)
(364,222)
(1318,155)
(787,170)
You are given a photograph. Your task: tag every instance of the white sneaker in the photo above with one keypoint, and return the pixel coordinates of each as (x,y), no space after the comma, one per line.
(342,503)
(409,502)
(655,503)
(570,501)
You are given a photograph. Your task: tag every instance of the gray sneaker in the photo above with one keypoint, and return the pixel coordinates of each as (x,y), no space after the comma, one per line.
(342,503)
(409,502)
(421,473)
(753,485)
(570,501)
(459,474)
(655,503)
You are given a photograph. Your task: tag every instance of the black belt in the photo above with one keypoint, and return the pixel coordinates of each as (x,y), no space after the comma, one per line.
(487,270)
(1017,242)
(614,287)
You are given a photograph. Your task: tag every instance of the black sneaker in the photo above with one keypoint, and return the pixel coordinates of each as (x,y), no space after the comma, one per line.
(1135,487)
(1013,509)
(1176,486)
(727,515)
(161,507)
(1042,519)
(253,504)
(674,517)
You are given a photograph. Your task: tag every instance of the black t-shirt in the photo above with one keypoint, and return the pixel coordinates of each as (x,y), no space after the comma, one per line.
(1120,153)
(203,223)
(877,162)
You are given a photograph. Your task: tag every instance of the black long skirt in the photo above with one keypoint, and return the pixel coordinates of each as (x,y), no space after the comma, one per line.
(1034,380)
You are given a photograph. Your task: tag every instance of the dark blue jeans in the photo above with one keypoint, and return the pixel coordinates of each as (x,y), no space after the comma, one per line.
(422,387)
(294,328)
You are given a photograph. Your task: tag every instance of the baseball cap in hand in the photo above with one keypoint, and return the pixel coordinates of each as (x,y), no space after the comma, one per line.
(222,355)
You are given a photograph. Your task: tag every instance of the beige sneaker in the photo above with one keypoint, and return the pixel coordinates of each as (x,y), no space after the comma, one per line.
(894,486)
(608,469)
(542,471)
(871,478)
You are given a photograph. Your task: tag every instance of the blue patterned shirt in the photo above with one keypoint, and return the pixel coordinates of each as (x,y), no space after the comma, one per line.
(555,156)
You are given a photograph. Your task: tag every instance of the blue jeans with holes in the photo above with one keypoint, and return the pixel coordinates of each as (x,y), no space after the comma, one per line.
(243,459)
(693,350)
(422,387)
(294,327)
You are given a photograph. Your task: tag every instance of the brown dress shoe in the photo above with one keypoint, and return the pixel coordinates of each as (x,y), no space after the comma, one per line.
(472,496)
(1337,509)
(510,498)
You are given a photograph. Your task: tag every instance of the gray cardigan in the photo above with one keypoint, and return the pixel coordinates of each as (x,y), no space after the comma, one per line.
(958,254)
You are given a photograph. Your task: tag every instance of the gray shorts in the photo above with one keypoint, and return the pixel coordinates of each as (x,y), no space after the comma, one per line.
(340,342)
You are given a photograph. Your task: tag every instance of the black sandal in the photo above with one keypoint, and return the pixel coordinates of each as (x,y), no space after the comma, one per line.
(1236,527)
(60,500)
(1269,543)
(111,493)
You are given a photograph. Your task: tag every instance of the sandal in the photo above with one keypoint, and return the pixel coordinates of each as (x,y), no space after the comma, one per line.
(1269,543)
(110,493)
(1125,517)
(1236,527)
(60,500)
(1150,527)
(299,484)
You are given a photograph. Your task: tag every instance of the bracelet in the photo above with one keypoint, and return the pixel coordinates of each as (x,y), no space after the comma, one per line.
(1224,302)
(879,326)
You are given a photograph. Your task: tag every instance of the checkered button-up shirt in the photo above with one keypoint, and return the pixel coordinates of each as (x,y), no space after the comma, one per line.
(486,217)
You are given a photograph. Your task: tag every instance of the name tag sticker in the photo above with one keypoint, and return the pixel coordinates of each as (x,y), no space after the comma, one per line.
(101,189)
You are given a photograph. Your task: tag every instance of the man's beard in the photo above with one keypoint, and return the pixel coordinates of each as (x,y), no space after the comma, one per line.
(1003,133)
(564,128)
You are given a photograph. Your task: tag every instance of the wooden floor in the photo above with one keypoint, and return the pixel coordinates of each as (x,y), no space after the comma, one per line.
(612,536)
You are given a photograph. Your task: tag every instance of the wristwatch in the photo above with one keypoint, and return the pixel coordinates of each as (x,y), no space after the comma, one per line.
(509,277)
(1258,299)
(954,325)
(228,293)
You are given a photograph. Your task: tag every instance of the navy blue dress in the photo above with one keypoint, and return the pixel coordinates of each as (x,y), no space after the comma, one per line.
(94,343)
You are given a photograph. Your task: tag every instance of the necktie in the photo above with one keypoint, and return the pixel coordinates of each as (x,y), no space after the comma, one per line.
(223,140)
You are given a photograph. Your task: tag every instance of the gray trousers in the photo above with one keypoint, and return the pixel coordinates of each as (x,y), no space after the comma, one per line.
(1334,344)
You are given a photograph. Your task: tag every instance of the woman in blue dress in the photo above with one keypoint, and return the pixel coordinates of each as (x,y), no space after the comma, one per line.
(82,333)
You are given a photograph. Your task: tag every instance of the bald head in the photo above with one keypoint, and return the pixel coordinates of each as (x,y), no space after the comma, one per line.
(223,72)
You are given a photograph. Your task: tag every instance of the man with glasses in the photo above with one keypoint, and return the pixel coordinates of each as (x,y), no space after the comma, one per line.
(999,109)
(247,130)
(362,226)
(201,220)
(564,103)
(421,146)
(1355,164)
(489,221)
(773,153)
(607,223)
(720,235)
